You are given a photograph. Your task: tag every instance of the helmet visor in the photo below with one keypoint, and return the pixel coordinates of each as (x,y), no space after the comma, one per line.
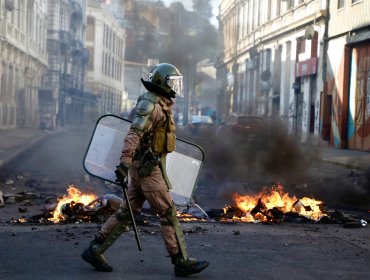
(175,83)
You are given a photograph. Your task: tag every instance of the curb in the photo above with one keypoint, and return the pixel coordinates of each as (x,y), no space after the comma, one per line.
(30,145)
(16,154)
(344,164)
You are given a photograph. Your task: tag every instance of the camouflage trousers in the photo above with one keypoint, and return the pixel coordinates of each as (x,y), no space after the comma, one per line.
(152,189)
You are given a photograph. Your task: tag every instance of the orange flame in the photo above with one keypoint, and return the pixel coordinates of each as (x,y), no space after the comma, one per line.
(186,217)
(74,195)
(275,198)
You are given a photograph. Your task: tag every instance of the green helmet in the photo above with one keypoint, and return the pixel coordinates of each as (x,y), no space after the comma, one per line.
(165,79)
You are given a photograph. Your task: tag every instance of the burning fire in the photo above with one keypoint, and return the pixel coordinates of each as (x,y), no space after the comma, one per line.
(261,207)
(267,206)
(74,196)
(186,217)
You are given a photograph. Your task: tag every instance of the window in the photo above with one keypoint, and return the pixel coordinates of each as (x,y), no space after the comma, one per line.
(301,47)
(340,4)
(268,59)
(269,9)
(278,8)
(356,1)
(90,66)
(241,20)
(258,11)
(90,30)
(290,4)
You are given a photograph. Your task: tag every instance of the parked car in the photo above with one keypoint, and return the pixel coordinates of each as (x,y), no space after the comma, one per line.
(201,124)
(242,127)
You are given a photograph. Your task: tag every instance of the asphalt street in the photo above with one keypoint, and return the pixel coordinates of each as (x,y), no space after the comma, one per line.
(237,251)
(285,250)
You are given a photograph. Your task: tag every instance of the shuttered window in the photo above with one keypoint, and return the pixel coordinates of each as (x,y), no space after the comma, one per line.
(340,4)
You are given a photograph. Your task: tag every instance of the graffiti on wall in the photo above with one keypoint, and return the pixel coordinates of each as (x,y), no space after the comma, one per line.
(291,109)
(359,101)
(304,114)
(317,115)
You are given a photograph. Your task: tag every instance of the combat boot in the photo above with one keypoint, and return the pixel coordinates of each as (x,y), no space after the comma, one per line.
(92,256)
(186,267)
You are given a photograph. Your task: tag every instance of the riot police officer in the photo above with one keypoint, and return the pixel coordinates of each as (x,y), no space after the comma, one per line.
(150,138)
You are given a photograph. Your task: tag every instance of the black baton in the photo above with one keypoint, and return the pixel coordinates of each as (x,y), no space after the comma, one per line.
(124,188)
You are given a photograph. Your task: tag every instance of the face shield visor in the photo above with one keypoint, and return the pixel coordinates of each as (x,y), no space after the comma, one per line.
(175,83)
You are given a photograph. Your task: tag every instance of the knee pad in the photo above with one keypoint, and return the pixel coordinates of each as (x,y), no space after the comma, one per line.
(123,215)
(170,219)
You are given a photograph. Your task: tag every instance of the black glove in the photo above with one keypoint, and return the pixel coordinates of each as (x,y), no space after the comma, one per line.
(121,173)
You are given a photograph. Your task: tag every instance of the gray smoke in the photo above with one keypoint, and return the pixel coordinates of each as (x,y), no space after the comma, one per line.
(245,167)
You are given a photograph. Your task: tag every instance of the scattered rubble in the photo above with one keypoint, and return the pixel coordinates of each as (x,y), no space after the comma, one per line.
(32,183)
(102,207)
(23,209)
(355,224)
(275,216)
(1,199)
(9,182)
(18,197)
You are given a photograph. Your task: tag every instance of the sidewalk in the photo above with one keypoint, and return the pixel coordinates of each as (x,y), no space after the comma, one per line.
(348,158)
(16,141)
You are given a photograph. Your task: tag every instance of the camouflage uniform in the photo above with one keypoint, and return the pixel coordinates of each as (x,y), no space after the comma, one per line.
(150,138)
(153,188)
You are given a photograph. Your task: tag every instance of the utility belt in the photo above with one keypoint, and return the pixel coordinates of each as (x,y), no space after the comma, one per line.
(148,161)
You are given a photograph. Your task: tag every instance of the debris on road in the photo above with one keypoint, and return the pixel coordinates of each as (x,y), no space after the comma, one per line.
(270,206)
(32,183)
(1,199)
(22,209)
(77,207)
(9,182)
(18,197)
(355,224)
(74,207)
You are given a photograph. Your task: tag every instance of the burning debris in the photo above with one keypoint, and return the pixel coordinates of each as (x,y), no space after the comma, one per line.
(77,206)
(73,207)
(73,203)
(271,205)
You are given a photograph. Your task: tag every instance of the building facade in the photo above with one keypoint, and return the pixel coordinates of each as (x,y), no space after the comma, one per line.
(270,61)
(63,95)
(23,30)
(147,29)
(347,90)
(105,41)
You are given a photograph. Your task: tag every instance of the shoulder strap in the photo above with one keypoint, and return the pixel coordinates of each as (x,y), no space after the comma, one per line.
(170,126)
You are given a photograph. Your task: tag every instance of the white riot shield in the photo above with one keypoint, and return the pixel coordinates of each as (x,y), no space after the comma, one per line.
(104,151)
